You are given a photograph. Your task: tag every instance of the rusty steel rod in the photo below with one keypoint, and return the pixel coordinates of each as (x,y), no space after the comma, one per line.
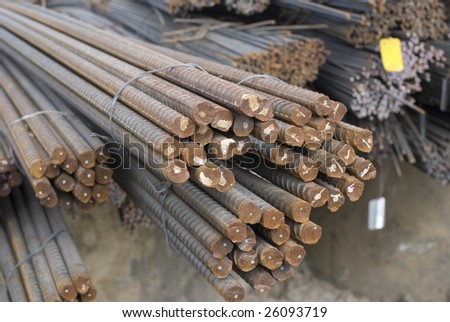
(283,273)
(61,276)
(174,230)
(15,286)
(249,242)
(84,154)
(259,279)
(269,256)
(40,263)
(307,233)
(294,253)
(199,227)
(245,261)
(316,195)
(19,247)
(238,202)
(292,206)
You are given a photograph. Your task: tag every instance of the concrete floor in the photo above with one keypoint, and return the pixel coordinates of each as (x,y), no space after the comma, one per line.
(408,260)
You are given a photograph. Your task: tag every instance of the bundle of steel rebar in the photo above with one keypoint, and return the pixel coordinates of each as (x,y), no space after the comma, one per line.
(55,150)
(364,22)
(357,77)
(10,176)
(419,140)
(260,48)
(256,229)
(39,260)
(228,172)
(436,92)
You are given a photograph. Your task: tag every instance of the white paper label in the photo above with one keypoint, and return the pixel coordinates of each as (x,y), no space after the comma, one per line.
(377,213)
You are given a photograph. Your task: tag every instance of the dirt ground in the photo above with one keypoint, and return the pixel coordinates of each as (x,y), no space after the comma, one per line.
(408,260)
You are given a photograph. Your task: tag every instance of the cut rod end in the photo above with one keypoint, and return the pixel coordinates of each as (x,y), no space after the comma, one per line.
(249,213)
(237,231)
(222,247)
(176,171)
(250,104)
(338,111)
(309,233)
(233,293)
(272,218)
(299,211)
(204,113)
(315,194)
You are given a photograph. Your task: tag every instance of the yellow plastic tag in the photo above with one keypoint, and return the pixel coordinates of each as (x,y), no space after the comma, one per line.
(391,54)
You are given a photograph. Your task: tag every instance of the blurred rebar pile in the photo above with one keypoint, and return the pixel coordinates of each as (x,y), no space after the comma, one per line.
(364,22)
(177,7)
(354,73)
(131,216)
(180,7)
(228,172)
(82,10)
(437,162)
(436,92)
(39,260)
(10,177)
(364,84)
(247,7)
(260,48)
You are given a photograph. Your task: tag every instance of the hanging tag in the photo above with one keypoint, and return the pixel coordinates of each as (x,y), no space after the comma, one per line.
(377,213)
(391,54)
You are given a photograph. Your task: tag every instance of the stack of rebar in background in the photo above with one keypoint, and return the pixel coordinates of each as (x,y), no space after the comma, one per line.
(82,10)
(131,216)
(354,73)
(356,76)
(56,151)
(39,260)
(260,48)
(228,172)
(247,7)
(179,7)
(10,176)
(436,92)
(364,22)
(435,160)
